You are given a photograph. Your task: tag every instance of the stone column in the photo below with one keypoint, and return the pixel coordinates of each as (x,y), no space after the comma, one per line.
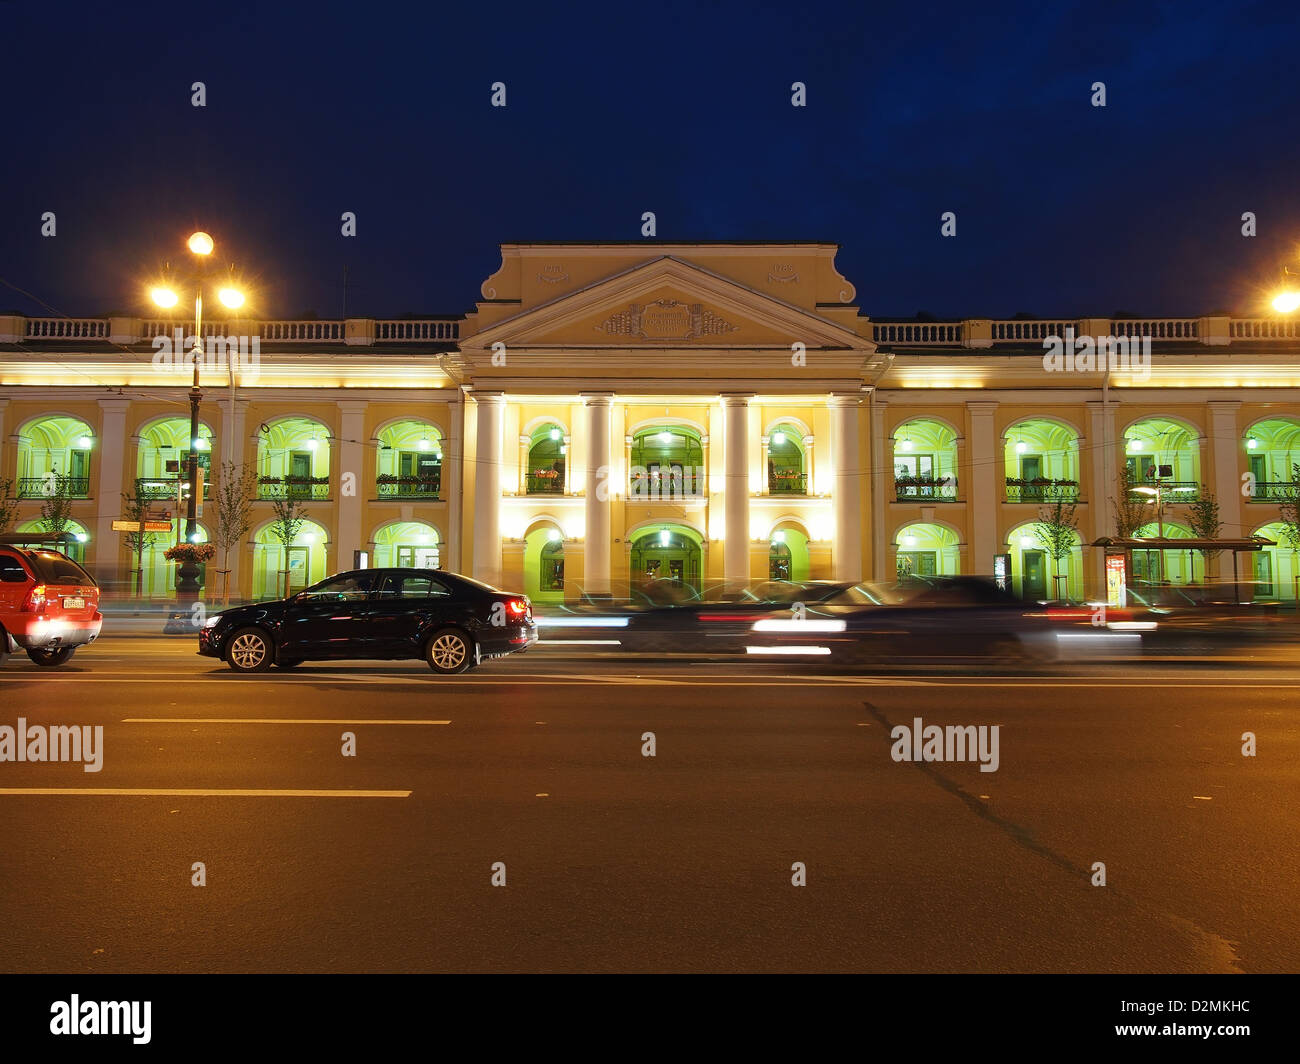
(1105,476)
(352,455)
(735,557)
(523,464)
(487,487)
(4,448)
(1228,468)
(599,489)
(568,464)
(451,489)
(847,547)
(882,493)
(765,446)
(702,486)
(984,490)
(808,442)
(233,449)
(106,546)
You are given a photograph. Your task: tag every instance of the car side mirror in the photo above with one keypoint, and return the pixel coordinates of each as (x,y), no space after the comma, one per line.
(13,576)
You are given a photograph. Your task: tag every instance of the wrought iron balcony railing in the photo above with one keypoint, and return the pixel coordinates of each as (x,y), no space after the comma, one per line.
(787,484)
(410,488)
(1051,491)
(165,489)
(46,486)
(545,484)
(293,488)
(907,489)
(1274,491)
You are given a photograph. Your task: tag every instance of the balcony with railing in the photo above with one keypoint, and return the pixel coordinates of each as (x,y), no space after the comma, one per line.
(1041,489)
(317,488)
(1171,491)
(1275,491)
(399,487)
(544,482)
(925,489)
(787,483)
(165,489)
(48,486)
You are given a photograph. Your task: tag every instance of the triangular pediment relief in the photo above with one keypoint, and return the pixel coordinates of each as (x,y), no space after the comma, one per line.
(666,302)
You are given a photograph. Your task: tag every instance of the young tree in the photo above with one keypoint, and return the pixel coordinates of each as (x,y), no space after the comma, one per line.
(1057,530)
(1130,508)
(235,494)
(136,509)
(1203,519)
(289,518)
(8,506)
(56,506)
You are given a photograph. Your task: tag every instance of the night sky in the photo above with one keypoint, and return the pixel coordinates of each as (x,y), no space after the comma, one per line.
(678,108)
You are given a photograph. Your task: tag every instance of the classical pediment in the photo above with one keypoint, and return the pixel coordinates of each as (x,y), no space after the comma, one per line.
(665,302)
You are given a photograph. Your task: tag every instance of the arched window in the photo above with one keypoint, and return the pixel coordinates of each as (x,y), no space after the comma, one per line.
(786,472)
(547,454)
(667,462)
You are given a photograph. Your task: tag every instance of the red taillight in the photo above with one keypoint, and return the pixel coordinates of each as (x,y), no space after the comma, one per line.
(35,600)
(516,607)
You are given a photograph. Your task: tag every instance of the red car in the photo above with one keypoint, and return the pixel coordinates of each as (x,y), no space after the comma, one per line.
(49,605)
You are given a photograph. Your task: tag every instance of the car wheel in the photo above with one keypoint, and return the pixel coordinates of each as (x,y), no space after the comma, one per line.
(290,663)
(249,650)
(4,646)
(51,658)
(450,651)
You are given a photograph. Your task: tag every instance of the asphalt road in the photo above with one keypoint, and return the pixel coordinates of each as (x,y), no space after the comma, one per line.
(614,861)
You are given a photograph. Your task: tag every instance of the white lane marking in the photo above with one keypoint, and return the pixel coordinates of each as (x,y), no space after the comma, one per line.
(197,792)
(270,720)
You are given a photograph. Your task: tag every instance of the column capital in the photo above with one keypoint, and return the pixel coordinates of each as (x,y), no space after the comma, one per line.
(494,398)
(983,407)
(843,399)
(596,398)
(736,398)
(352,406)
(1224,406)
(114,404)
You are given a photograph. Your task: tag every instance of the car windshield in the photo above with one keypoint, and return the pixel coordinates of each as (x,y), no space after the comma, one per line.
(56,568)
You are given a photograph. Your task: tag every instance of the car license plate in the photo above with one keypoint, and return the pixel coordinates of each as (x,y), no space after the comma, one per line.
(74,603)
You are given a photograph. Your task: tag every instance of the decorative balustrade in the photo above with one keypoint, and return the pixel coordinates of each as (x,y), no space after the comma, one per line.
(1275,491)
(1171,491)
(1157,328)
(1264,329)
(66,329)
(301,331)
(1020,330)
(917,334)
(427,329)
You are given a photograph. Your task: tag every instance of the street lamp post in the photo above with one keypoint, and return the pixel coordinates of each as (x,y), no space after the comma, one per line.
(187,584)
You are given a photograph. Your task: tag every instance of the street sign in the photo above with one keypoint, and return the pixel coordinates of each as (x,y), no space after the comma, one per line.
(157,526)
(126,526)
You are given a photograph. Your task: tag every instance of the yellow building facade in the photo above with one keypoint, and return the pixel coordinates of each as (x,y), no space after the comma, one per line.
(614,415)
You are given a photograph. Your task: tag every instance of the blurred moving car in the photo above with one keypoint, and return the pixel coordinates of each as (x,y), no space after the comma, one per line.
(450,621)
(49,605)
(942,617)
(717,625)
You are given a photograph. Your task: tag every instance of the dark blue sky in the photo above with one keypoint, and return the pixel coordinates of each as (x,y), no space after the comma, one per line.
(678,108)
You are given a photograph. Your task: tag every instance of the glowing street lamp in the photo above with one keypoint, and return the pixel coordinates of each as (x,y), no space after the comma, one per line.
(201,245)
(1287,301)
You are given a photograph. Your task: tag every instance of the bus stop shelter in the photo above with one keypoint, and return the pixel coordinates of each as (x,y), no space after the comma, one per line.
(1124,549)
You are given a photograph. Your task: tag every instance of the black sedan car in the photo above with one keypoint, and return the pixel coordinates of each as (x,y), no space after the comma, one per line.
(450,621)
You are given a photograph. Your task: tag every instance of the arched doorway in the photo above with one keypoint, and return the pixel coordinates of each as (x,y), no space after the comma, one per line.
(666,553)
(1275,568)
(925,550)
(76,550)
(406,545)
(300,562)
